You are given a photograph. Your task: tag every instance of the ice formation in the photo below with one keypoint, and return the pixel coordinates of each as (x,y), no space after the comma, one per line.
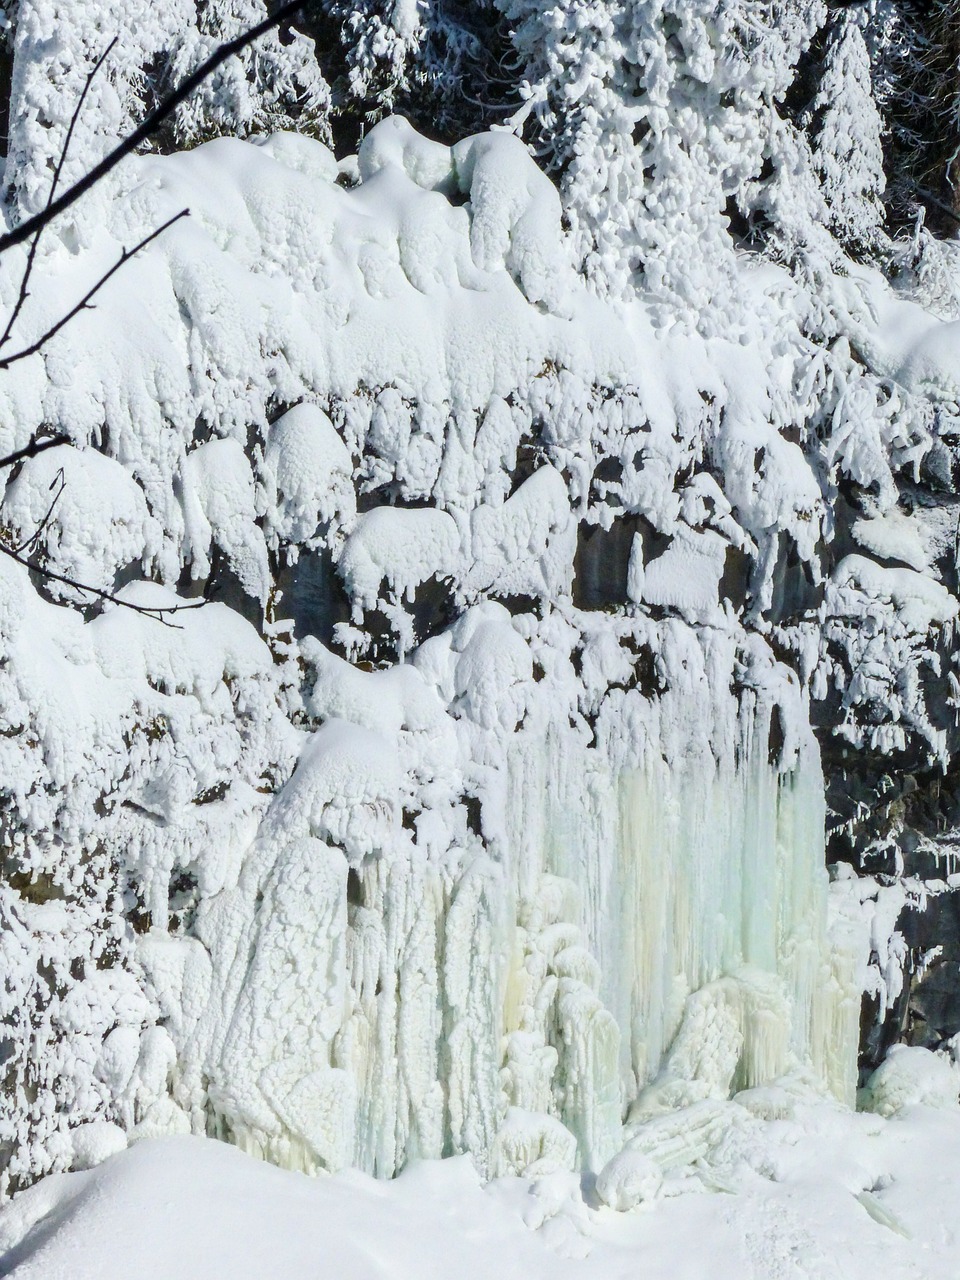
(505,834)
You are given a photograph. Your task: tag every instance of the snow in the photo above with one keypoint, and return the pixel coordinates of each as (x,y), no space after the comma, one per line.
(893,536)
(919,601)
(395,142)
(346,787)
(910,1077)
(481,870)
(813,1191)
(399,546)
(306,476)
(516,220)
(219,507)
(686,577)
(482,816)
(98,525)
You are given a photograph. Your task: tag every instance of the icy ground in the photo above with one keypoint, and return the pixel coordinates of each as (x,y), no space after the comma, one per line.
(820,1194)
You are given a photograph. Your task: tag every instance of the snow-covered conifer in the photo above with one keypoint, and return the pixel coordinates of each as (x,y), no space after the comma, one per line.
(380,43)
(660,116)
(848,154)
(273,84)
(56,44)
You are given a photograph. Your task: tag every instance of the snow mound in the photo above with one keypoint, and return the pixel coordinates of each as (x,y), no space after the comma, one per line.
(345,789)
(85,512)
(307,476)
(400,547)
(851,1196)
(911,1076)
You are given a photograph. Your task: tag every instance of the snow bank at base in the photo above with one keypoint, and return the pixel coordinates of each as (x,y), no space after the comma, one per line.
(816,1193)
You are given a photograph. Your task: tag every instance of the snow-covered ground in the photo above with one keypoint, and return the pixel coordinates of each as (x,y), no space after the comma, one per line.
(821,1193)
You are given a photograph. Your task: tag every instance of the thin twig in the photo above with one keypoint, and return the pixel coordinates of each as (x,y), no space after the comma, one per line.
(32,542)
(149,126)
(157,612)
(32,448)
(24,292)
(84,303)
(75,117)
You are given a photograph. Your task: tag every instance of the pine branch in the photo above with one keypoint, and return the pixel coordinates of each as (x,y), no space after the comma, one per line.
(84,303)
(150,125)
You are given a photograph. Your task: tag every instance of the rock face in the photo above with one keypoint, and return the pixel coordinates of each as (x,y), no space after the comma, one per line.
(890,787)
(483,809)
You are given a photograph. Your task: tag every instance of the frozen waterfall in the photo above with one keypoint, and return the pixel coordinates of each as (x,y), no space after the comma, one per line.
(631,935)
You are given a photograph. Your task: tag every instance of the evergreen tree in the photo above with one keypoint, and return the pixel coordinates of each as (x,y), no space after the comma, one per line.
(56,44)
(450,66)
(848,152)
(918,56)
(661,118)
(274,84)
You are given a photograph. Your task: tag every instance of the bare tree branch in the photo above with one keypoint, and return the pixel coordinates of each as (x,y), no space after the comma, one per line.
(84,303)
(157,612)
(33,541)
(24,292)
(34,446)
(149,126)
